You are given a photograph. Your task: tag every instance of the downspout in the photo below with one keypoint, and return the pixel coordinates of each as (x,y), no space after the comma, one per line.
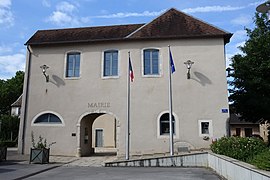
(26,98)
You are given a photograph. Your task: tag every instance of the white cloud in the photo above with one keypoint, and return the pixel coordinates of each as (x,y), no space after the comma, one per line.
(64,16)
(212,9)
(6,15)
(62,19)
(228,59)
(5,49)
(242,20)
(46,3)
(240,44)
(256,3)
(207,9)
(239,35)
(10,64)
(65,7)
(130,14)
(5,3)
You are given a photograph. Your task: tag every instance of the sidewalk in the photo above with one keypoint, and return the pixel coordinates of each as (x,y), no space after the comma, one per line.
(96,161)
(65,167)
(17,166)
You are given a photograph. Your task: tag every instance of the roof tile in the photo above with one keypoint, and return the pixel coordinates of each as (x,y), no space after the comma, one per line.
(171,24)
(176,24)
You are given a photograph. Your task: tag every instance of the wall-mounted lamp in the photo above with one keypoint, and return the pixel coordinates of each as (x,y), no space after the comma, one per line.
(264,8)
(229,71)
(44,69)
(188,63)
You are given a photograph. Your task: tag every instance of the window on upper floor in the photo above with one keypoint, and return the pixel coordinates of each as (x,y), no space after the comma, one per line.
(110,63)
(151,62)
(73,64)
(48,118)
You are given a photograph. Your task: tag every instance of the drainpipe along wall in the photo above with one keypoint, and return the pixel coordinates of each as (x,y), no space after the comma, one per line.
(21,143)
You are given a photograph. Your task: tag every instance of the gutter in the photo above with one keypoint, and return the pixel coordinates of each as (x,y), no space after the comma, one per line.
(26,98)
(226,38)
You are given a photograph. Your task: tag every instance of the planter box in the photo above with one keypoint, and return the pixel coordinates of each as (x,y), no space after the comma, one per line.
(3,153)
(40,156)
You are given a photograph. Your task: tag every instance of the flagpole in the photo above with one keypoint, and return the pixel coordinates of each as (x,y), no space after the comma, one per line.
(170,105)
(128,110)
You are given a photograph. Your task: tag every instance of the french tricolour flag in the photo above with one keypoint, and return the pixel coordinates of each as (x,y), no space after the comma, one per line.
(131,75)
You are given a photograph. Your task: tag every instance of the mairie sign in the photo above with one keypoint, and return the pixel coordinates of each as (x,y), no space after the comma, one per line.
(99,105)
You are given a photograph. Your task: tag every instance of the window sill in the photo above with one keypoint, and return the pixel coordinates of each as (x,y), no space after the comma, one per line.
(109,77)
(203,135)
(151,76)
(72,78)
(47,124)
(166,136)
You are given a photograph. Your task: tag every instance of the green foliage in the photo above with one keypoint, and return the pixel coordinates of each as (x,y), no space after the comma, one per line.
(239,148)
(262,160)
(10,90)
(250,94)
(9,128)
(42,143)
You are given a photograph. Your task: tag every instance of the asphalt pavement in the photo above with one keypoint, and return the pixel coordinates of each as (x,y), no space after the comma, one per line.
(60,167)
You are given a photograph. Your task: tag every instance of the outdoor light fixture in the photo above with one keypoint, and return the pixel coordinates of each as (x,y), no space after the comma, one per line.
(188,63)
(264,8)
(229,70)
(44,69)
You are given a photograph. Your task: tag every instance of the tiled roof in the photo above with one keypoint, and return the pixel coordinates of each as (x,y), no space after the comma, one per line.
(172,24)
(86,34)
(235,119)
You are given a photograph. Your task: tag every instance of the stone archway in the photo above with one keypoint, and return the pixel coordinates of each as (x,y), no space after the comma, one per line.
(96,131)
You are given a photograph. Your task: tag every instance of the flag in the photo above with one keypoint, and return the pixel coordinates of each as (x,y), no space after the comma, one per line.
(131,75)
(171,62)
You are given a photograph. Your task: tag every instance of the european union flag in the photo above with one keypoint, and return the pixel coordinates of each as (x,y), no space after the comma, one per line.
(171,63)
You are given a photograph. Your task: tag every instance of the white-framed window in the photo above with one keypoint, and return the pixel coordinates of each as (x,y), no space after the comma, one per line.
(47,118)
(151,62)
(110,63)
(163,125)
(205,128)
(73,63)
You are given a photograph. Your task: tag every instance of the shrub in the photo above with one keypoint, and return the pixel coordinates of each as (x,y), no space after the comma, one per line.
(240,148)
(262,160)
(8,143)
(42,143)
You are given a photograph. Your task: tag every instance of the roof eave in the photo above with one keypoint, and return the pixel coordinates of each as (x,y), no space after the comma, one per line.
(225,36)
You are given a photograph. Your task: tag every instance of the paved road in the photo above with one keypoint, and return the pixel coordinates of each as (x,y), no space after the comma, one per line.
(18,167)
(40,172)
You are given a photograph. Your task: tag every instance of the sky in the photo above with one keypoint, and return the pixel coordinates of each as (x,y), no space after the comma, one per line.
(20,19)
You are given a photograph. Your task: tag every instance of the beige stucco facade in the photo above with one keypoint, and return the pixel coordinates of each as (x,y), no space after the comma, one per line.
(78,102)
(254,128)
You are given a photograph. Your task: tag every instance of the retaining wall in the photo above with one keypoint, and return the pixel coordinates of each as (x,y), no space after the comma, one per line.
(226,167)
(193,160)
(233,169)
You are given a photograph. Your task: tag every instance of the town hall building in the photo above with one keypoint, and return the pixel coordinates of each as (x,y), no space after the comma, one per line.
(75,88)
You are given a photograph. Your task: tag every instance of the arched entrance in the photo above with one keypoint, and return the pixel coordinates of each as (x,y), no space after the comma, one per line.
(96,134)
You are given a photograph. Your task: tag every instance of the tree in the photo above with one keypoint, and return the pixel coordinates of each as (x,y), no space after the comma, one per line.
(10,90)
(9,127)
(250,95)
